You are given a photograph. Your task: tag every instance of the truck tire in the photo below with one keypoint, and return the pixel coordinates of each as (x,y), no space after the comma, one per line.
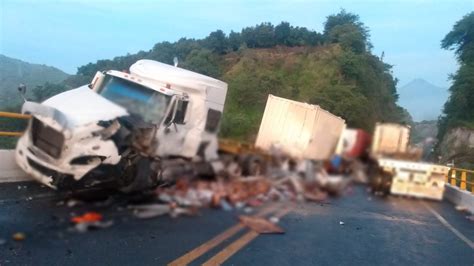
(381,182)
(138,176)
(253,165)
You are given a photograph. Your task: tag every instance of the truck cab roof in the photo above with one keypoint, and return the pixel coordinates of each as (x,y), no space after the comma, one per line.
(157,71)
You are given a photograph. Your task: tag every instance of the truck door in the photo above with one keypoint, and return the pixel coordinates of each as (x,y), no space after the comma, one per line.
(173,131)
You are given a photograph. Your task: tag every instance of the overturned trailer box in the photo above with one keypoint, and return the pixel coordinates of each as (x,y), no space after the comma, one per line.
(300,130)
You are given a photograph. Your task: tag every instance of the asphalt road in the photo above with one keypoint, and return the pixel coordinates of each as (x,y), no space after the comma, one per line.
(357,229)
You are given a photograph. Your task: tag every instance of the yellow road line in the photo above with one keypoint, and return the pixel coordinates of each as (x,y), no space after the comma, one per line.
(226,253)
(205,247)
(449,226)
(238,244)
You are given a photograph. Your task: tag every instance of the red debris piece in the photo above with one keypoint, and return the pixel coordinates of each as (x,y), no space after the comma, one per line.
(88,217)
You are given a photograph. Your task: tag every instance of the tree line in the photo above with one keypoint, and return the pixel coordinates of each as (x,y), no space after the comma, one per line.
(459,108)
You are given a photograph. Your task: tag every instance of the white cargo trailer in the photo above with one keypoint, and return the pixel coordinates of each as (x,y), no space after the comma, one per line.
(299,129)
(390,139)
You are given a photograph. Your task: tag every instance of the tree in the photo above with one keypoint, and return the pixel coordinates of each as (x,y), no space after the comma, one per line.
(461,38)
(347,29)
(235,40)
(203,61)
(282,33)
(216,42)
(459,108)
(47,90)
(349,36)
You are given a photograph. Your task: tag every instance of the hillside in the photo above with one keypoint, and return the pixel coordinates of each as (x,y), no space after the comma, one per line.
(334,69)
(318,75)
(14,71)
(423,100)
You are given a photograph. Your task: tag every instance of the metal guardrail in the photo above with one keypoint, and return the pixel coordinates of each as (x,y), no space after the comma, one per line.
(15,116)
(461,178)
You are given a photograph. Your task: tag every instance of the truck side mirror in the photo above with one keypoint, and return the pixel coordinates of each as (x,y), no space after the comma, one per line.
(97,81)
(22,91)
(171,115)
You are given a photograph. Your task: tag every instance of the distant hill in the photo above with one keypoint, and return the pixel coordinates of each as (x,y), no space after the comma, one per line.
(423,100)
(14,71)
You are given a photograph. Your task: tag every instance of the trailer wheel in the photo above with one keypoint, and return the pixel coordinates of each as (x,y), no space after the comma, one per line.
(137,176)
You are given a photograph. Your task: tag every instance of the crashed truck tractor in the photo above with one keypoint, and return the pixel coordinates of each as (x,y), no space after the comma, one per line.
(123,126)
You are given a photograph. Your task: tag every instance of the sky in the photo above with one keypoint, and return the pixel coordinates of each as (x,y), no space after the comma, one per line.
(68,34)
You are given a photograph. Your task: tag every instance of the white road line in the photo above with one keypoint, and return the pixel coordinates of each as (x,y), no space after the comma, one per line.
(449,226)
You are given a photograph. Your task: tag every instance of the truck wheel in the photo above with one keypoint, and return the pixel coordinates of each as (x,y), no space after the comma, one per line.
(386,182)
(381,183)
(137,176)
(253,165)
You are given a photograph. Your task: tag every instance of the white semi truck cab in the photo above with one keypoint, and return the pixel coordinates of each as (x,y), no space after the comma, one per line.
(123,126)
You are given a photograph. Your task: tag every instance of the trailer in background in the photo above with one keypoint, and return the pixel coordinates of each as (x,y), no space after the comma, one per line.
(397,167)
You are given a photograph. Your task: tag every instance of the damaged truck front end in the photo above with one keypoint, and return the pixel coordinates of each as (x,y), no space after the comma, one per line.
(71,141)
(59,151)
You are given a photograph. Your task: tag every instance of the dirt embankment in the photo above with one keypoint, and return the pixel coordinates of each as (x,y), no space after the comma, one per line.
(458,145)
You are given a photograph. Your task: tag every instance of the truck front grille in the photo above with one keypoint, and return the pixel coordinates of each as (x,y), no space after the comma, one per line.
(46,138)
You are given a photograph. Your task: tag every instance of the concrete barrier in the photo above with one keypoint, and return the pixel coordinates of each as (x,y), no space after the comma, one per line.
(459,197)
(9,170)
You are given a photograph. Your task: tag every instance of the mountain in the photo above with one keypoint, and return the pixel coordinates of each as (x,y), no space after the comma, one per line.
(423,100)
(14,71)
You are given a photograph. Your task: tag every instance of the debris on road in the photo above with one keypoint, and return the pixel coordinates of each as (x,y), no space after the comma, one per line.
(87,226)
(73,202)
(88,217)
(341,223)
(461,208)
(151,210)
(260,225)
(274,219)
(19,236)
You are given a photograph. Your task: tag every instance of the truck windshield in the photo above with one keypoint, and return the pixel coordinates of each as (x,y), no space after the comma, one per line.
(137,99)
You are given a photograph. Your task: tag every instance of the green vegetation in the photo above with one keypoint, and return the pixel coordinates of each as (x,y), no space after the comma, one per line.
(459,109)
(335,70)
(13,72)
